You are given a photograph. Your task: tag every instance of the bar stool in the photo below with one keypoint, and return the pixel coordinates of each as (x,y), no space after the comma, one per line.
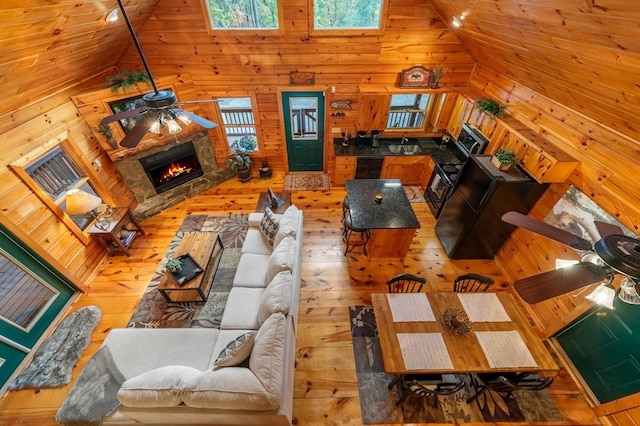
(345,207)
(349,229)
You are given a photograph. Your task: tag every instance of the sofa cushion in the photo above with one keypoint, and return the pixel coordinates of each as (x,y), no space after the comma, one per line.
(157,388)
(236,351)
(241,309)
(256,244)
(269,226)
(276,297)
(286,228)
(267,360)
(231,388)
(252,271)
(282,258)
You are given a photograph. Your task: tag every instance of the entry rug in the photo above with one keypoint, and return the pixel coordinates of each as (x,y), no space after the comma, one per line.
(306,182)
(153,311)
(55,358)
(378,403)
(415,194)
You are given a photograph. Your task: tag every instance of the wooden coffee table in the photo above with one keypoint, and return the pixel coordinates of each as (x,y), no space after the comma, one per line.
(263,202)
(206,249)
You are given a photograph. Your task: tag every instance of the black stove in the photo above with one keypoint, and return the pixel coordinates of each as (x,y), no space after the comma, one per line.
(450,171)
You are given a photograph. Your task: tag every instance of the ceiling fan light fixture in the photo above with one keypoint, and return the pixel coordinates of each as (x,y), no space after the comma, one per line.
(603,295)
(564,263)
(173,126)
(183,118)
(155,127)
(628,293)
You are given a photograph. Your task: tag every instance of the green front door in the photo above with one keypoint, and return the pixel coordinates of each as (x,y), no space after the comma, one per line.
(32,294)
(604,346)
(304,125)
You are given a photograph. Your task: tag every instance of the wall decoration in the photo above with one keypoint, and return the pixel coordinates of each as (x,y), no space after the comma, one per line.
(342,104)
(296,77)
(575,213)
(417,76)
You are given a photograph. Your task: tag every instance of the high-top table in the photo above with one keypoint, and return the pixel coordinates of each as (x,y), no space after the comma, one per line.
(418,342)
(392,221)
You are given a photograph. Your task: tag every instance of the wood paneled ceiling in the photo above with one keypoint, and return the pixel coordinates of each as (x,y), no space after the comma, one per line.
(582,53)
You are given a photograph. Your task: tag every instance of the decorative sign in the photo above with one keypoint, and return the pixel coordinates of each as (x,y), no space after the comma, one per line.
(417,76)
(296,77)
(344,104)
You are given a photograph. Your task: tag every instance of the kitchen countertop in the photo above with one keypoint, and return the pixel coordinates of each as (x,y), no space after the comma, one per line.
(392,147)
(393,212)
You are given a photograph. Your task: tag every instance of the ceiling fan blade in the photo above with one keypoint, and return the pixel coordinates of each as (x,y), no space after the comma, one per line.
(564,237)
(123,115)
(550,284)
(136,134)
(605,228)
(196,119)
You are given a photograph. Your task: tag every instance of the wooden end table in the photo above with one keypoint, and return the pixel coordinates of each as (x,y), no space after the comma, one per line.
(206,249)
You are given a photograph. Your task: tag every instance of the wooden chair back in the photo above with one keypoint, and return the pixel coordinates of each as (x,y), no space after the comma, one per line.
(472,283)
(405,283)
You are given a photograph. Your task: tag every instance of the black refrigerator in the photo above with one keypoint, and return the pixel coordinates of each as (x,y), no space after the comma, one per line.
(469,226)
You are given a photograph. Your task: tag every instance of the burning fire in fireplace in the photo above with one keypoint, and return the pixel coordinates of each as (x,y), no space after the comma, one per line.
(173,170)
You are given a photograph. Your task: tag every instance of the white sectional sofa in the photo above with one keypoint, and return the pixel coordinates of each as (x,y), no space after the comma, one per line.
(171,376)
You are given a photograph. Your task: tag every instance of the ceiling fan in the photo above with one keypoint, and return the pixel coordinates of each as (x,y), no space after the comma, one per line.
(159,107)
(614,253)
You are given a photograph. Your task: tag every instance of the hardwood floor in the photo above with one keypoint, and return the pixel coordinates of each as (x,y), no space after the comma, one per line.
(325,381)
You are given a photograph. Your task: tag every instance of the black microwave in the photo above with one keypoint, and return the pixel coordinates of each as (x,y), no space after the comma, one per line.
(471,140)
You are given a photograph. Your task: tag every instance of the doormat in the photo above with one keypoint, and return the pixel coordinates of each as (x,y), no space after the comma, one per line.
(306,182)
(415,194)
(153,311)
(53,361)
(378,403)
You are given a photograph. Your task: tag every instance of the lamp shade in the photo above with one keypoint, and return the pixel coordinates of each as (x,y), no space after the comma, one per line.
(603,295)
(80,202)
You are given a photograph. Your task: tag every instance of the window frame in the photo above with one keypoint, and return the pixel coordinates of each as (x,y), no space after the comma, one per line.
(428,112)
(244,31)
(339,32)
(254,109)
(65,143)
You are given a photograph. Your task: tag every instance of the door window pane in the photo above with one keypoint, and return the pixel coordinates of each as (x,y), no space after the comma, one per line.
(23,297)
(407,111)
(238,123)
(304,118)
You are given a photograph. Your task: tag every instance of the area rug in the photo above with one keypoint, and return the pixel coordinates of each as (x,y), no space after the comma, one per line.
(94,395)
(53,361)
(415,194)
(306,182)
(153,311)
(378,403)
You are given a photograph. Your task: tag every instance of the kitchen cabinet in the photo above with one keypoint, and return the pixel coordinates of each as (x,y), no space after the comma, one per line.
(442,110)
(542,159)
(461,112)
(345,169)
(411,170)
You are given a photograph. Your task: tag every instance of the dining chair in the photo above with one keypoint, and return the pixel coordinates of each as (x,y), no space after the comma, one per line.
(406,283)
(506,384)
(349,230)
(472,283)
(428,385)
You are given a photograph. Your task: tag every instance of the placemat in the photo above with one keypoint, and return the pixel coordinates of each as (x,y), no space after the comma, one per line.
(424,351)
(505,349)
(483,307)
(410,307)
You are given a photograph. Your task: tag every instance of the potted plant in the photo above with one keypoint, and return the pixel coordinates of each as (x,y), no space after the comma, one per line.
(504,158)
(239,162)
(265,170)
(491,107)
(174,265)
(435,76)
(126,79)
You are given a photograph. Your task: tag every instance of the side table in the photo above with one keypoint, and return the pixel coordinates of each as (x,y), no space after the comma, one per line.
(119,235)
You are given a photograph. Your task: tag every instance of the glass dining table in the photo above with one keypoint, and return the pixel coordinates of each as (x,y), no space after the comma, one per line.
(382,206)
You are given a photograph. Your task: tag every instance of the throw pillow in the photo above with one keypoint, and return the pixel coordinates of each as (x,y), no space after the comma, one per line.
(156,388)
(276,297)
(286,228)
(269,226)
(282,258)
(236,351)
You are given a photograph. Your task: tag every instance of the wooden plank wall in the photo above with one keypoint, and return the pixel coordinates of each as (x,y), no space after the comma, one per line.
(609,161)
(235,63)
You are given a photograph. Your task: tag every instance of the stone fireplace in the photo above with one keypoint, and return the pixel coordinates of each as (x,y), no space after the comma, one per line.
(164,176)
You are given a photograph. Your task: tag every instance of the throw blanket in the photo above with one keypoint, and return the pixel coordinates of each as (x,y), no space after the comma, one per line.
(93,396)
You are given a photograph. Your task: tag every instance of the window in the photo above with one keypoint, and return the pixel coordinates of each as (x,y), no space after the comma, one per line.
(238,123)
(408,111)
(243,14)
(348,15)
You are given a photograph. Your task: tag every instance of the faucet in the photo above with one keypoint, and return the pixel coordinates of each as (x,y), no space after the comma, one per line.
(404,139)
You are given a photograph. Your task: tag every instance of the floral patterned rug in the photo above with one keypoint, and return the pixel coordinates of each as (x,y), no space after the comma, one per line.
(153,311)
(378,403)
(306,182)
(415,194)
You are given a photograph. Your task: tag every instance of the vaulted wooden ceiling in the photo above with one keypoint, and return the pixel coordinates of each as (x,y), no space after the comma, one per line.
(582,53)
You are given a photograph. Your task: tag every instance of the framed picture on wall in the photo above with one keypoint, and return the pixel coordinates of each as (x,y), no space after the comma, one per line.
(127,104)
(417,76)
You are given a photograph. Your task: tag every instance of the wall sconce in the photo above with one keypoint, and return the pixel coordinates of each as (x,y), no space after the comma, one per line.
(457,22)
(112,16)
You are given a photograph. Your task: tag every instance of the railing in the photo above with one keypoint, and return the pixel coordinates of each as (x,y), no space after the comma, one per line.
(406,119)
(240,122)
(304,122)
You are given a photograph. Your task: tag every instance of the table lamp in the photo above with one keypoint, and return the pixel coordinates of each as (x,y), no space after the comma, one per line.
(81,202)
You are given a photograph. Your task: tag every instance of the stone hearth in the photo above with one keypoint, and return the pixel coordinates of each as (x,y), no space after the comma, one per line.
(150,202)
